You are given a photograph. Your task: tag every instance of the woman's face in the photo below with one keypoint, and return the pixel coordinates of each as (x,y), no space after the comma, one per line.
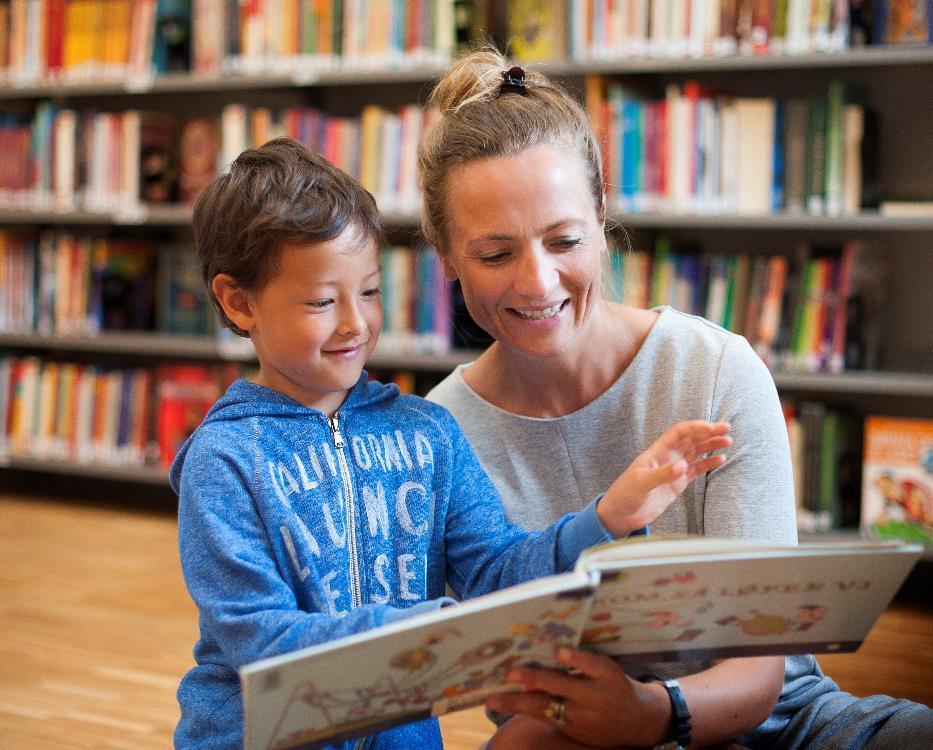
(525,241)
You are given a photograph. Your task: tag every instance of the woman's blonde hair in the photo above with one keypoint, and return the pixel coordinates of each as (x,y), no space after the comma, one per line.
(478,120)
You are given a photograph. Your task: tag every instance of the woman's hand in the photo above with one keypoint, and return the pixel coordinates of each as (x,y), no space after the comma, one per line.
(652,482)
(602,706)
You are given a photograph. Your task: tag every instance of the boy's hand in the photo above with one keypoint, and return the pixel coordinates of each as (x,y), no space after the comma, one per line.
(660,474)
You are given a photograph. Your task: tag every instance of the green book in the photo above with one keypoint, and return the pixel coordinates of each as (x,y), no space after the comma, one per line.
(815,166)
(835,102)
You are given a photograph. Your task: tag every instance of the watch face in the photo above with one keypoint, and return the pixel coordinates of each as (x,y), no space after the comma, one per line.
(670,745)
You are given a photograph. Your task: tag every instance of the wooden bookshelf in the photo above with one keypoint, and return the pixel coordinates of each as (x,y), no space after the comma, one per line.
(895,77)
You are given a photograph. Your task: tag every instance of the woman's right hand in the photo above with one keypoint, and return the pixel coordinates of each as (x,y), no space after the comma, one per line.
(659,474)
(602,706)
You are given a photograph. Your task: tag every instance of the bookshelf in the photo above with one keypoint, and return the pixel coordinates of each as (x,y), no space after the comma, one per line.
(893,76)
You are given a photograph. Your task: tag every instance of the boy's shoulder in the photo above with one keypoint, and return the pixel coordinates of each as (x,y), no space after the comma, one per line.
(410,406)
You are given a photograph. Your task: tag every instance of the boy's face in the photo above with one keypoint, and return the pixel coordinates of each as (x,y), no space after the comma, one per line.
(316,321)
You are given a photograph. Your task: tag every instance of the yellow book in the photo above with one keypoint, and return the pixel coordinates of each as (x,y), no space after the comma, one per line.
(370,121)
(260,125)
(897,478)
(47,409)
(63,437)
(291,14)
(536,29)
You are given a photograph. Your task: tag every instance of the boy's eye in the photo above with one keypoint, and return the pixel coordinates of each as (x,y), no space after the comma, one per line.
(370,293)
(320,304)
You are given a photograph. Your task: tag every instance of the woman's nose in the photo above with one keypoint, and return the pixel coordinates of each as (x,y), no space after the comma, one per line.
(537,274)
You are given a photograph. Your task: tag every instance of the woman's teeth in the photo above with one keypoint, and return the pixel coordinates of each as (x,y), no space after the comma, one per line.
(547,312)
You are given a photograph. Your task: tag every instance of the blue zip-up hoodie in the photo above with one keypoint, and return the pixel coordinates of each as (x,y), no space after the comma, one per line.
(295,530)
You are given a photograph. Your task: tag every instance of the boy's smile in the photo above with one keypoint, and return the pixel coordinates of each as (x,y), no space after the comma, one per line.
(317,319)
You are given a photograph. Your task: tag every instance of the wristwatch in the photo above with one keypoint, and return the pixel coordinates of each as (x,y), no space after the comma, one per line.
(679,736)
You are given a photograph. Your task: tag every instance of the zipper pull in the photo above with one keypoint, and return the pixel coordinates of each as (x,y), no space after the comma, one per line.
(334,423)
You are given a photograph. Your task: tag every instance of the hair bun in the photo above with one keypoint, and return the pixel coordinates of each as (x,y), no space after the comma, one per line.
(474,77)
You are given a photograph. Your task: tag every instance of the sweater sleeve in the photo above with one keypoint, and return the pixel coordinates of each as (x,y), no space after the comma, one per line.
(752,495)
(484,551)
(246,603)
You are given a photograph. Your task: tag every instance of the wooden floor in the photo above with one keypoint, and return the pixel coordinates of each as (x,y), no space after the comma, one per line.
(97,630)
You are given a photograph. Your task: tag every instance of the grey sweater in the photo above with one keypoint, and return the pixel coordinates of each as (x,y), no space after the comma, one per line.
(687,368)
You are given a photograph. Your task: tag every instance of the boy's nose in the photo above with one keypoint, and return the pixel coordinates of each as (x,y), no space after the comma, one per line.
(352,322)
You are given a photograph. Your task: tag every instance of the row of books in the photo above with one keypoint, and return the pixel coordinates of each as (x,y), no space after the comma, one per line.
(120,40)
(64,284)
(608,29)
(701,151)
(116,416)
(826,452)
(873,472)
(66,159)
(59,283)
(814,309)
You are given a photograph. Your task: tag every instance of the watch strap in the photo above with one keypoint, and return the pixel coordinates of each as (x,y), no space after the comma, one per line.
(681,727)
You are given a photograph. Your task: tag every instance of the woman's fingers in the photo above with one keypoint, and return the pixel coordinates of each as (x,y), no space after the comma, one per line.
(707,446)
(705,465)
(527,704)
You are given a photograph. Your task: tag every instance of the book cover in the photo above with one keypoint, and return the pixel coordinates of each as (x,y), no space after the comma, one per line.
(171,49)
(124,285)
(182,301)
(654,600)
(199,148)
(158,168)
(184,393)
(535,29)
(897,478)
(906,22)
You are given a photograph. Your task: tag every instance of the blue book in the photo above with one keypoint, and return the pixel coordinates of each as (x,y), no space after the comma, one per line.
(777,188)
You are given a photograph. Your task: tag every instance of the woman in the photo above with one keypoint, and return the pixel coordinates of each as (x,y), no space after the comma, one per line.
(574,386)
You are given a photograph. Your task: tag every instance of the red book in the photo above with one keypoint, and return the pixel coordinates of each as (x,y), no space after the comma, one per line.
(54,37)
(184,394)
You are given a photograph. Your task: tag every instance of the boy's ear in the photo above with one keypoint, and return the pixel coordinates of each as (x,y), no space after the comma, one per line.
(233,299)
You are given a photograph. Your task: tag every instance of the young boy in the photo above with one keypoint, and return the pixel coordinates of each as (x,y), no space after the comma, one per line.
(314,503)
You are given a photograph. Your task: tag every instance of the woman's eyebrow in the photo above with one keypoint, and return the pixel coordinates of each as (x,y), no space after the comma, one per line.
(499,236)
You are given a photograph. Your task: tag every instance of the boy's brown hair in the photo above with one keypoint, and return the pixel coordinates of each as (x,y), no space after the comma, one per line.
(280,193)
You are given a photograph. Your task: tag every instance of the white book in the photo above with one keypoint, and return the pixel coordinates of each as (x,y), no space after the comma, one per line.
(639,601)
(755,155)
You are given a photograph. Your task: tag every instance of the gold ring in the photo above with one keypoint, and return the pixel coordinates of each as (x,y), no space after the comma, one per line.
(555,710)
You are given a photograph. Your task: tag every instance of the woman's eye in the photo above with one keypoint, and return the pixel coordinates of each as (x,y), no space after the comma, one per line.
(492,258)
(567,243)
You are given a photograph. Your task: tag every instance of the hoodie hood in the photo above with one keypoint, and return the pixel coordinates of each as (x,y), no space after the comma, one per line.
(245,399)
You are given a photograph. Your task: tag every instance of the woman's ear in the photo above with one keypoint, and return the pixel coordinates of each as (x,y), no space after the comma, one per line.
(233,299)
(449,271)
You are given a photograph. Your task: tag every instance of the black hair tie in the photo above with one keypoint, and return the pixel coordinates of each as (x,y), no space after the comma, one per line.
(514,81)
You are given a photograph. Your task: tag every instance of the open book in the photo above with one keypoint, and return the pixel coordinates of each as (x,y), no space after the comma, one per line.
(638,600)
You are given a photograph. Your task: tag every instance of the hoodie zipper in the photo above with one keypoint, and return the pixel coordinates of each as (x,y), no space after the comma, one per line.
(356,596)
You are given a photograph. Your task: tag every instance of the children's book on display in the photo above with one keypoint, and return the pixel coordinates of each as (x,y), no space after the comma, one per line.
(647,600)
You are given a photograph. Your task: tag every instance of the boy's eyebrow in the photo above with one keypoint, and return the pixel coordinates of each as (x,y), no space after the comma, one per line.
(336,281)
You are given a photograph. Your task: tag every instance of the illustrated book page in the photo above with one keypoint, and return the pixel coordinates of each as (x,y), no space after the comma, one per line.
(639,601)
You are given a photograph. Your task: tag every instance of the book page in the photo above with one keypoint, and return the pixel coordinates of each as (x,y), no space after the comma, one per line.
(745,604)
(429,665)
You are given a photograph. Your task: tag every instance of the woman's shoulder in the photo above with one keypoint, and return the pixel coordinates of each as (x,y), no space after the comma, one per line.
(684,336)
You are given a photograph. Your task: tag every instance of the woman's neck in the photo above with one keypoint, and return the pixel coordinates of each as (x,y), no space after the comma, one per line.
(547,387)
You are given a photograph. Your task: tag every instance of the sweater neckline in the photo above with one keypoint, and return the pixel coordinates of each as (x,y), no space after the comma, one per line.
(615,386)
